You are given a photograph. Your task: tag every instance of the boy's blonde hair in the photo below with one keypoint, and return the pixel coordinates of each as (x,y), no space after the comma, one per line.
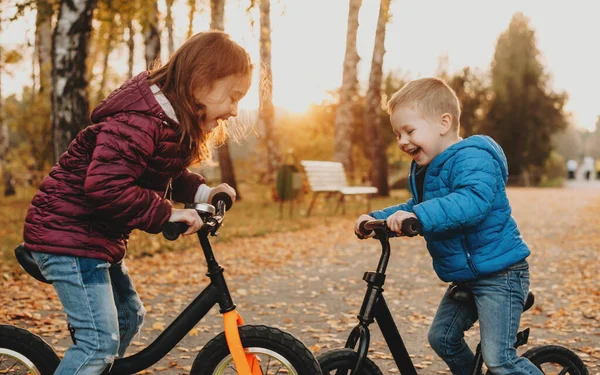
(432,96)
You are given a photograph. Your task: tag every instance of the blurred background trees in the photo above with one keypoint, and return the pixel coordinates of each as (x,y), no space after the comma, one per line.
(78,45)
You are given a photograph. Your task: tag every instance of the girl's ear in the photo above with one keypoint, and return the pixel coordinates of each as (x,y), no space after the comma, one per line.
(445,123)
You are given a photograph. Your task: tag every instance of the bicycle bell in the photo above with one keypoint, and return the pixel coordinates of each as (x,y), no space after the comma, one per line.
(204,209)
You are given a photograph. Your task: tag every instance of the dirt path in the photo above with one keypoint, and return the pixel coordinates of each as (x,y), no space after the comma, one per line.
(310,284)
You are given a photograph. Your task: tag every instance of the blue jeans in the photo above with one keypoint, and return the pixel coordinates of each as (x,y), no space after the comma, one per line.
(101,305)
(499,300)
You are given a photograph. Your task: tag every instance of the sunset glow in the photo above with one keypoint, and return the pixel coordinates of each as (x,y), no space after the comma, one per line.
(308,44)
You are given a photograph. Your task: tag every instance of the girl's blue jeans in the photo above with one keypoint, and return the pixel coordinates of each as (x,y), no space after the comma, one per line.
(499,300)
(101,305)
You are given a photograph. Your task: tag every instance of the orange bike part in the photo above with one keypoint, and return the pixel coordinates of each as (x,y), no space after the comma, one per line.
(245,364)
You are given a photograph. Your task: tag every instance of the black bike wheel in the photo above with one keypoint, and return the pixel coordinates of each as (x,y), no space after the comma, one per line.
(553,359)
(342,361)
(23,353)
(276,350)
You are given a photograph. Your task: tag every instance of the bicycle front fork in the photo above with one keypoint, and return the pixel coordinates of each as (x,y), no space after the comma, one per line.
(522,338)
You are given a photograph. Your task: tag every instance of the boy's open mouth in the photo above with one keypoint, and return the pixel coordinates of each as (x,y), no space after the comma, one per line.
(414,152)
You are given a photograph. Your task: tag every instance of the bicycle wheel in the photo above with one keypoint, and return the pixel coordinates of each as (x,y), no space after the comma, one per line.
(554,359)
(278,353)
(342,361)
(23,353)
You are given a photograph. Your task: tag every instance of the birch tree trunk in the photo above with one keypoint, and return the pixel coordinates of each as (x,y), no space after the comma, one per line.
(191,14)
(266,112)
(169,26)
(217,15)
(43,43)
(376,148)
(217,22)
(151,33)
(70,107)
(342,147)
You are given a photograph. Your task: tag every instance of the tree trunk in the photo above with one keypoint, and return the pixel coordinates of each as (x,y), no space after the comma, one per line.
(151,34)
(191,14)
(70,106)
(3,128)
(169,26)
(217,15)
(108,46)
(130,48)
(266,112)
(43,43)
(376,148)
(342,147)
(217,22)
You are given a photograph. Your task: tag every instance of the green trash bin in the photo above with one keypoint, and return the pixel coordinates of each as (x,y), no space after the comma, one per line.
(289,182)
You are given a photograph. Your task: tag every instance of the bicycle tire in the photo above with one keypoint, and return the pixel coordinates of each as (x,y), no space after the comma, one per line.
(264,342)
(556,355)
(27,350)
(345,360)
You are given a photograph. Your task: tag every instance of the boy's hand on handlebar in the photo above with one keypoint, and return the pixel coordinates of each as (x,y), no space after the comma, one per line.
(222,188)
(394,221)
(361,219)
(188,216)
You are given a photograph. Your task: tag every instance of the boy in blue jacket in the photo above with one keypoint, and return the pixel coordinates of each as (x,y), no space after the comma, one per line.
(458,195)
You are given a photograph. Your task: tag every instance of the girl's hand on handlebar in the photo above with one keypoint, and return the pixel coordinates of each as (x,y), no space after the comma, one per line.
(188,216)
(222,188)
(361,219)
(394,221)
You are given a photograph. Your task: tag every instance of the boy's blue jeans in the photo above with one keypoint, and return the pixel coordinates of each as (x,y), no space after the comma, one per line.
(101,305)
(499,300)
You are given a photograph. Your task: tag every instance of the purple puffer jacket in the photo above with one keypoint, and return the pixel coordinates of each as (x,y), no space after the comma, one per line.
(112,179)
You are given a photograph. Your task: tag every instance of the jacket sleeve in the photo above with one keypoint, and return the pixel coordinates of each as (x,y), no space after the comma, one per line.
(386,212)
(186,185)
(474,180)
(119,159)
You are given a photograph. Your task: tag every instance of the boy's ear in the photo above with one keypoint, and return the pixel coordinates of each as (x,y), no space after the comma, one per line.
(445,123)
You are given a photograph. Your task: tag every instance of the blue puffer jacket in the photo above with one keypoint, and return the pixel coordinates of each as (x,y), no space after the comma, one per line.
(464,211)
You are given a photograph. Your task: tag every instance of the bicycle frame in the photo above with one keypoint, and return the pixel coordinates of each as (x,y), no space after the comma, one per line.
(216,292)
(374,308)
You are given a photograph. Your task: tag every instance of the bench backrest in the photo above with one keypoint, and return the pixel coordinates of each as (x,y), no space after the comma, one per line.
(324,175)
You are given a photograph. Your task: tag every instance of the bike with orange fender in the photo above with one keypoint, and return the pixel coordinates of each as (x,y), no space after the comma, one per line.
(240,349)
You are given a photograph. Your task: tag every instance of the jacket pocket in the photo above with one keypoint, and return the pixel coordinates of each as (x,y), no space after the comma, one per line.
(467,250)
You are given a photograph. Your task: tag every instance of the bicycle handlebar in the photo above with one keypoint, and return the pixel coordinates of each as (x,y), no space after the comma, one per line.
(410,227)
(222,202)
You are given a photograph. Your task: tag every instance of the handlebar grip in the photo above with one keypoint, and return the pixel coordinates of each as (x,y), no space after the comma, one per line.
(222,197)
(363,230)
(172,230)
(411,227)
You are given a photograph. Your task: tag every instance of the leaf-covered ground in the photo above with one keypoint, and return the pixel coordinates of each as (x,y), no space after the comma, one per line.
(309,282)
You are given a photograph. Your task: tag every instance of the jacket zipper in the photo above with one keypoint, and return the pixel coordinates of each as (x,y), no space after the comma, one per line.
(169,190)
(468,253)
(412,182)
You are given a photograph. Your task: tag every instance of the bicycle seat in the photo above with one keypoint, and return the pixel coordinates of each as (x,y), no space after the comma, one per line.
(462,293)
(529,301)
(29,265)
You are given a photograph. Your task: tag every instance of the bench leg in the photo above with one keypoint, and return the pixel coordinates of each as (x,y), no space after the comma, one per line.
(341,202)
(369,203)
(311,204)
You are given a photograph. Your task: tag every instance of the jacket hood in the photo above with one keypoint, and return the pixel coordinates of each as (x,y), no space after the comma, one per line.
(133,96)
(482,142)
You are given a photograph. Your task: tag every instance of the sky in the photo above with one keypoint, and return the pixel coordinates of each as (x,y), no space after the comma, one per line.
(309,36)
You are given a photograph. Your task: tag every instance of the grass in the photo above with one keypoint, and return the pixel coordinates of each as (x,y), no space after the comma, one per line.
(255,215)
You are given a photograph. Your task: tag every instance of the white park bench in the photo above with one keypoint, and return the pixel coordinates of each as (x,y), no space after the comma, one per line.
(329,177)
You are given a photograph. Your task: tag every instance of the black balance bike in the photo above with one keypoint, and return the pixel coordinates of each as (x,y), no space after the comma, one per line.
(550,359)
(240,349)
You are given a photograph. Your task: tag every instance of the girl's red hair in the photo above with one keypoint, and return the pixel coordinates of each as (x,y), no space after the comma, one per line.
(203,59)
